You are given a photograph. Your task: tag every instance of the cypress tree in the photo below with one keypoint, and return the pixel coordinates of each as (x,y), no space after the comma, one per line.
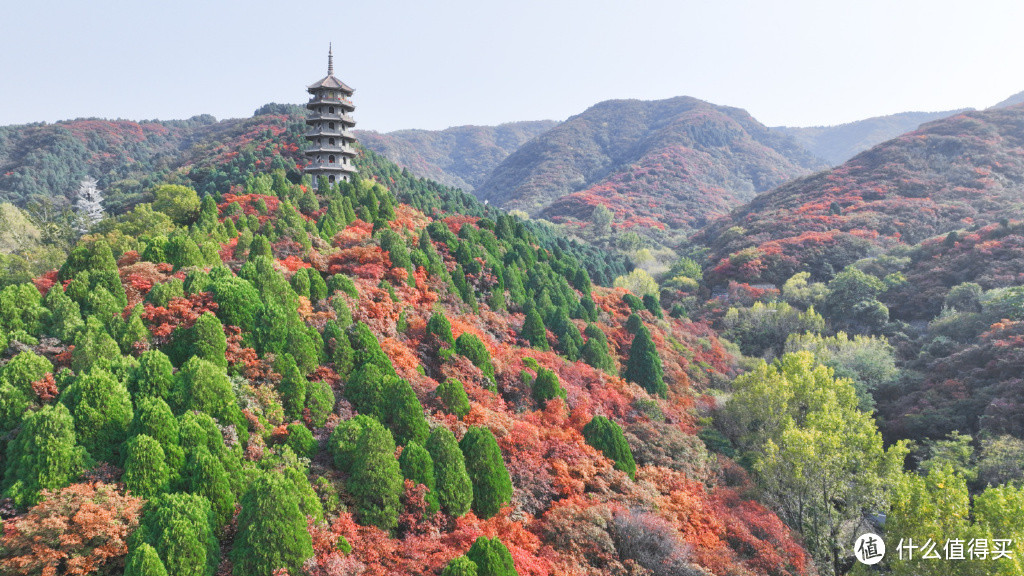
(367,349)
(473,348)
(653,305)
(634,323)
(144,561)
(546,386)
(453,397)
(92,345)
(439,326)
(403,413)
(606,435)
(300,283)
(204,474)
(317,286)
(595,350)
(260,247)
(417,466)
(153,377)
(208,341)
(460,566)
(65,315)
(376,481)
(153,417)
(365,390)
(533,329)
(570,341)
(491,557)
(102,410)
(344,440)
(272,530)
(454,488)
(145,467)
(133,331)
(43,456)
(292,387)
(320,402)
(644,364)
(301,441)
(181,529)
(492,486)
(203,386)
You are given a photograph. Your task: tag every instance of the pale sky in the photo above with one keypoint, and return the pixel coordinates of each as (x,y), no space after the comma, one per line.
(434,64)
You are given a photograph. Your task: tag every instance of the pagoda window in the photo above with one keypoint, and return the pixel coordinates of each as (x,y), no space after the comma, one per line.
(331,141)
(331,159)
(331,125)
(332,178)
(331,109)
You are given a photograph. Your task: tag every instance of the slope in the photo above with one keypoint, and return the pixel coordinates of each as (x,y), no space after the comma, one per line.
(462,156)
(670,163)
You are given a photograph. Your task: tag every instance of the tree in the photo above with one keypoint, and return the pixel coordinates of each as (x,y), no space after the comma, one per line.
(417,466)
(492,485)
(301,441)
(92,345)
(203,386)
(179,202)
(403,413)
(439,326)
(460,566)
(453,397)
(102,410)
(180,527)
(471,347)
(153,418)
(454,487)
(602,218)
(292,387)
(204,474)
(272,530)
(43,456)
(644,364)
(65,315)
(595,350)
(491,557)
(153,377)
(533,329)
(205,340)
(344,441)
(546,386)
(606,435)
(145,467)
(376,481)
(144,561)
(320,402)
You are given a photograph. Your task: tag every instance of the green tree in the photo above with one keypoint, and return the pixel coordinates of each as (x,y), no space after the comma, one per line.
(546,386)
(376,481)
(181,529)
(272,530)
(473,348)
(491,557)
(460,566)
(145,467)
(403,413)
(65,318)
(102,410)
(92,345)
(439,326)
(344,441)
(606,435)
(320,402)
(492,485)
(144,561)
(179,202)
(301,441)
(534,330)
(154,376)
(454,487)
(204,474)
(595,350)
(417,465)
(292,387)
(153,418)
(644,364)
(453,397)
(203,386)
(43,456)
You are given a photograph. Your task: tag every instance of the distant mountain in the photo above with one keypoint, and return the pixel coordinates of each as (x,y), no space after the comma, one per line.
(462,156)
(959,172)
(1017,98)
(839,143)
(669,163)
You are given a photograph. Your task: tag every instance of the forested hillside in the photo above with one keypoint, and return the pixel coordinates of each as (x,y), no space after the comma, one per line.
(461,157)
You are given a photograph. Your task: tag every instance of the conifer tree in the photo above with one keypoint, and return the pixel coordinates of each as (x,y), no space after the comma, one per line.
(344,440)
(292,387)
(300,283)
(492,486)
(43,456)
(153,417)
(570,341)
(260,246)
(365,390)
(634,323)
(454,488)
(376,481)
(533,329)
(65,318)
(92,345)
(367,349)
(301,441)
(317,286)
(204,474)
(320,402)
(203,386)
(153,377)
(133,331)
(606,435)
(546,386)
(473,348)
(453,397)
(595,350)
(439,326)
(272,530)
(180,527)
(460,566)
(417,465)
(102,410)
(491,557)
(145,467)
(403,413)
(144,561)
(208,341)
(644,364)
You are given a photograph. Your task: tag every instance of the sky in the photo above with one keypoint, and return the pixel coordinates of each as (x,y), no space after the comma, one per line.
(434,64)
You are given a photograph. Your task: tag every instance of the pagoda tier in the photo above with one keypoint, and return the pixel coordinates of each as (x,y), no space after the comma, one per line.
(330,151)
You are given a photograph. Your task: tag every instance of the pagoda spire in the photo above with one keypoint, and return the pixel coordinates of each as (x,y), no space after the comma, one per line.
(330,59)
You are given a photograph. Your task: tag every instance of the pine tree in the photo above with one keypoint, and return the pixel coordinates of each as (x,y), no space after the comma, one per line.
(292,387)
(533,329)
(595,350)
(546,386)
(272,530)
(417,465)
(43,456)
(460,566)
(144,561)
(644,364)
(453,397)
(606,435)
(454,488)
(492,486)
(376,481)
(439,326)
(102,410)
(145,467)
(491,557)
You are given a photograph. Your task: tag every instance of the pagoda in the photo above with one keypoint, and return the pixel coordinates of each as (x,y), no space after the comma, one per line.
(330,151)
